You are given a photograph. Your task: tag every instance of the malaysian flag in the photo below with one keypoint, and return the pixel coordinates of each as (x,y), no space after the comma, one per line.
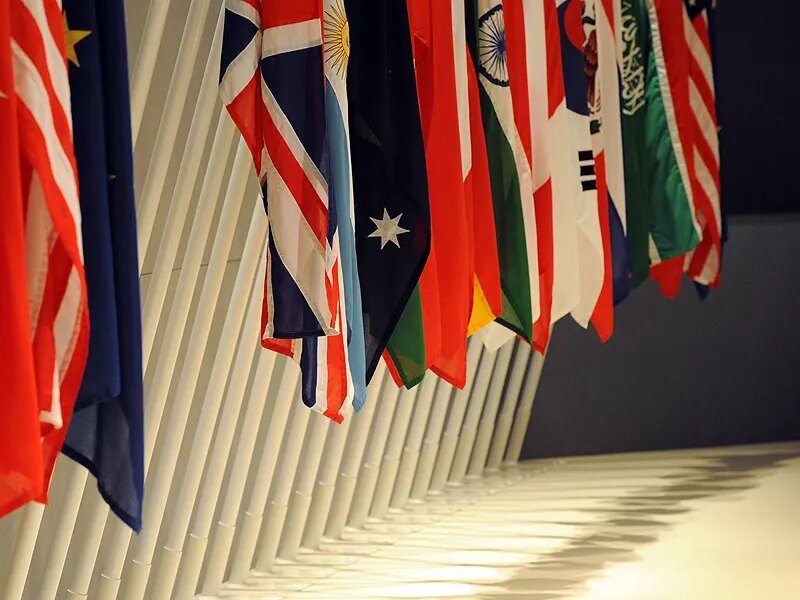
(273,81)
(41,196)
(703,264)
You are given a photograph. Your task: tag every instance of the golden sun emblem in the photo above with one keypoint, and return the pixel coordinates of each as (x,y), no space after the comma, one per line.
(337,37)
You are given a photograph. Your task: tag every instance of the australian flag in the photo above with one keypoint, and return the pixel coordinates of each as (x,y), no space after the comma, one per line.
(393,231)
(106,432)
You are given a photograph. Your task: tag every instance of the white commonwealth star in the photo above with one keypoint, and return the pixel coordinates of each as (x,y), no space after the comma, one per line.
(387,229)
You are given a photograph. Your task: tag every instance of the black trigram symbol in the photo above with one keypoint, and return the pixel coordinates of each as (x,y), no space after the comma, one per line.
(588,176)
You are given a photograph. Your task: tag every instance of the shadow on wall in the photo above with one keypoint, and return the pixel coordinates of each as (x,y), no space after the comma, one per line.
(684,373)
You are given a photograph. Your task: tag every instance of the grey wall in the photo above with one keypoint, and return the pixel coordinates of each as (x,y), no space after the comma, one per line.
(686,372)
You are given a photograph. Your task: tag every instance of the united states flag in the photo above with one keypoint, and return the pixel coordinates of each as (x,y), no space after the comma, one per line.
(703,265)
(273,83)
(43,191)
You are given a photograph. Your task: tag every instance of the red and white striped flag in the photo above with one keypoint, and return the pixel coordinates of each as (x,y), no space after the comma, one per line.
(703,264)
(36,106)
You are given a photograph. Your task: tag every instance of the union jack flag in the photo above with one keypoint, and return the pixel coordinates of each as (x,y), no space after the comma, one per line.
(273,83)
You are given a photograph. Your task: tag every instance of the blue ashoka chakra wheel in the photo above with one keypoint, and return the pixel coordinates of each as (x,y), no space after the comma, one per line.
(492,46)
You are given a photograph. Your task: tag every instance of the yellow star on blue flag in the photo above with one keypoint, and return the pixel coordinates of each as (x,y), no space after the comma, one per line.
(72,37)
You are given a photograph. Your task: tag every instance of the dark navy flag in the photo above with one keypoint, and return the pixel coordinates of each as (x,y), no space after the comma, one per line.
(393,230)
(106,432)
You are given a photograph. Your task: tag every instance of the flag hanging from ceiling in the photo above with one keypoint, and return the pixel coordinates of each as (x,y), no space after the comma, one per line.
(589,266)
(106,433)
(509,170)
(633,55)
(519,17)
(282,110)
(660,214)
(554,160)
(21,467)
(704,262)
(527,36)
(37,110)
(487,296)
(416,339)
(333,367)
(392,225)
(603,315)
(272,83)
(608,139)
(445,111)
(445,287)
(675,229)
(336,45)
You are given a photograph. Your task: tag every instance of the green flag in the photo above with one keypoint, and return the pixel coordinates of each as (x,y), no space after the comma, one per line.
(406,347)
(487,45)
(660,218)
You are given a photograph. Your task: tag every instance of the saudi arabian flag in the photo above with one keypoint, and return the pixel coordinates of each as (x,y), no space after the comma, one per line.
(510,182)
(660,219)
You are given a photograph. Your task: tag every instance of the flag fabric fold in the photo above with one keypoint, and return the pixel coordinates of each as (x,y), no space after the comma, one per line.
(276,82)
(609,140)
(487,296)
(703,264)
(600,67)
(21,465)
(541,107)
(106,433)
(390,186)
(445,287)
(43,188)
(662,225)
(557,157)
(272,83)
(589,265)
(509,170)
(675,230)
(522,70)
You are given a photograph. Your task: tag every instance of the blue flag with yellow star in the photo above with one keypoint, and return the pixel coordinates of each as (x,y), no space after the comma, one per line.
(106,432)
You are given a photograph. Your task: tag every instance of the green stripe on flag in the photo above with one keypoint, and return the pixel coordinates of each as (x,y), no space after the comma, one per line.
(509,224)
(657,203)
(407,344)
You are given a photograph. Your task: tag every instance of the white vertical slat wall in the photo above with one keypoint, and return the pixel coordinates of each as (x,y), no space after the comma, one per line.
(239,473)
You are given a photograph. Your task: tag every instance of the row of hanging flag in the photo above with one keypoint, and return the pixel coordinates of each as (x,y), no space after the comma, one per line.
(70,320)
(431,168)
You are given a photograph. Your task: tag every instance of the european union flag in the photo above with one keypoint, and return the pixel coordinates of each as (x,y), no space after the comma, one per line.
(106,432)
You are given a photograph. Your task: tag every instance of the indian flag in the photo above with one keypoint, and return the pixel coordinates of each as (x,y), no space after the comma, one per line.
(487,301)
(509,170)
